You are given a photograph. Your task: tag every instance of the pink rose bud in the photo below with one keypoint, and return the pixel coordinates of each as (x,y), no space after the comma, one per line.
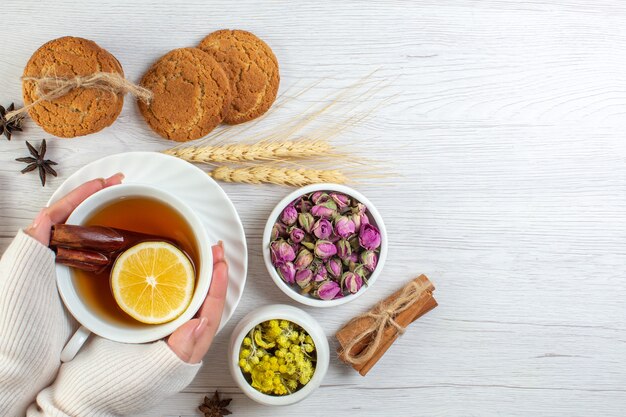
(327,209)
(328,290)
(289,215)
(287,272)
(279,230)
(369,259)
(322,229)
(303,259)
(344,227)
(296,247)
(306,221)
(364,219)
(353,257)
(319,197)
(303,205)
(341,200)
(296,235)
(320,274)
(324,249)
(334,267)
(369,236)
(281,252)
(356,219)
(361,271)
(343,249)
(303,278)
(351,282)
(360,208)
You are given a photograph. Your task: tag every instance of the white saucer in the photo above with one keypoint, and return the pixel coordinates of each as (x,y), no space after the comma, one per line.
(194,187)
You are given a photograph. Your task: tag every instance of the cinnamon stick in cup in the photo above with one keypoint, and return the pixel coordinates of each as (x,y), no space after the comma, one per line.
(92,248)
(366,338)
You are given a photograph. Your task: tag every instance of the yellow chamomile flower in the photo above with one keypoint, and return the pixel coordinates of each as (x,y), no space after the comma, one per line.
(277,357)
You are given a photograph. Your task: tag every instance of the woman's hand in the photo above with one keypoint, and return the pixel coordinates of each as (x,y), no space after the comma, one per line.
(61,210)
(192,340)
(110,379)
(34,326)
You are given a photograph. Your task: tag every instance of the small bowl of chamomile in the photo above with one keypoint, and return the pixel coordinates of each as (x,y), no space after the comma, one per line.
(278,355)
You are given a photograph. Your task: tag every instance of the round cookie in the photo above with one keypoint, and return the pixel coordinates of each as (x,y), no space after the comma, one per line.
(252,70)
(83,110)
(191,94)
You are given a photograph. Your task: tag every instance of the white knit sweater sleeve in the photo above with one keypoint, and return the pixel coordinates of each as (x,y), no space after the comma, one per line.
(110,379)
(33,324)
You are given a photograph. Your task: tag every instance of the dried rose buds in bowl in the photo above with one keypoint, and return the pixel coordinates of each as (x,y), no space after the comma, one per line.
(324,244)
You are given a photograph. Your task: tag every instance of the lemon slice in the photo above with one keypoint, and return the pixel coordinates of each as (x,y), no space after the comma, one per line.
(153,282)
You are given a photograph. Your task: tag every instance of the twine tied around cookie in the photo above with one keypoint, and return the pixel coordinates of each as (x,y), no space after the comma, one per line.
(382,315)
(49,88)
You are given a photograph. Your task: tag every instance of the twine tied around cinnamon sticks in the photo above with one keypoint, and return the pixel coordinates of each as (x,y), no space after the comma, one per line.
(49,88)
(365,338)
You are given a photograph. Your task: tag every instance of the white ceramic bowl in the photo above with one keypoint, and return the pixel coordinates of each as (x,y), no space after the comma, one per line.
(90,320)
(293,292)
(279,312)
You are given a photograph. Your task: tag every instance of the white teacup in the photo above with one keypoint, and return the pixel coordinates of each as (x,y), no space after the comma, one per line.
(90,320)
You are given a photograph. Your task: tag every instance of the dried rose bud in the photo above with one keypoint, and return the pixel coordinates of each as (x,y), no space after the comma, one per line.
(351,282)
(342,200)
(303,205)
(328,290)
(369,236)
(344,227)
(296,247)
(364,219)
(287,272)
(322,229)
(320,274)
(281,252)
(352,258)
(343,249)
(319,197)
(289,215)
(306,220)
(324,249)
(356,219)
(296,235)
(351,266)
(354,243)
(279,230)
(360,208)
(303,260)
(369,259)
(308,245)
(303,278)
(361,271)
(334,267)
(327,209)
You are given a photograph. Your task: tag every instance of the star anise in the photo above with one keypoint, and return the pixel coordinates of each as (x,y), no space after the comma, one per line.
(7,127)
(37,161)
(215,407)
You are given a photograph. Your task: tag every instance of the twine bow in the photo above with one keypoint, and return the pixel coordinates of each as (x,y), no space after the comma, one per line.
(49,88)
(382,315)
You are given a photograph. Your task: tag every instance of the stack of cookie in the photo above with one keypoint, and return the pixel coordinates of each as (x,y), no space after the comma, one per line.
(231,77)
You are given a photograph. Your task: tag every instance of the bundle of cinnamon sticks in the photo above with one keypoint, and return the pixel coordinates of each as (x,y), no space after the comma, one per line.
(366,338)
(92,248)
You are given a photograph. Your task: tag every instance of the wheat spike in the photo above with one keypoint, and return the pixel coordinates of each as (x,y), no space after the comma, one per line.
(275,175)
(260,151)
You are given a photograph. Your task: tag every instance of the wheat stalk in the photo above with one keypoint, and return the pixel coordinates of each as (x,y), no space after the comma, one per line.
(260,151)
(261,174)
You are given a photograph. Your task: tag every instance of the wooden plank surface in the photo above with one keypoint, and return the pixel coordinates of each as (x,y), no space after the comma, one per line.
(503,123)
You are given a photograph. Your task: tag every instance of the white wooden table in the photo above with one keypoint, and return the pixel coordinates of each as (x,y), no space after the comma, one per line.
(506,130)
